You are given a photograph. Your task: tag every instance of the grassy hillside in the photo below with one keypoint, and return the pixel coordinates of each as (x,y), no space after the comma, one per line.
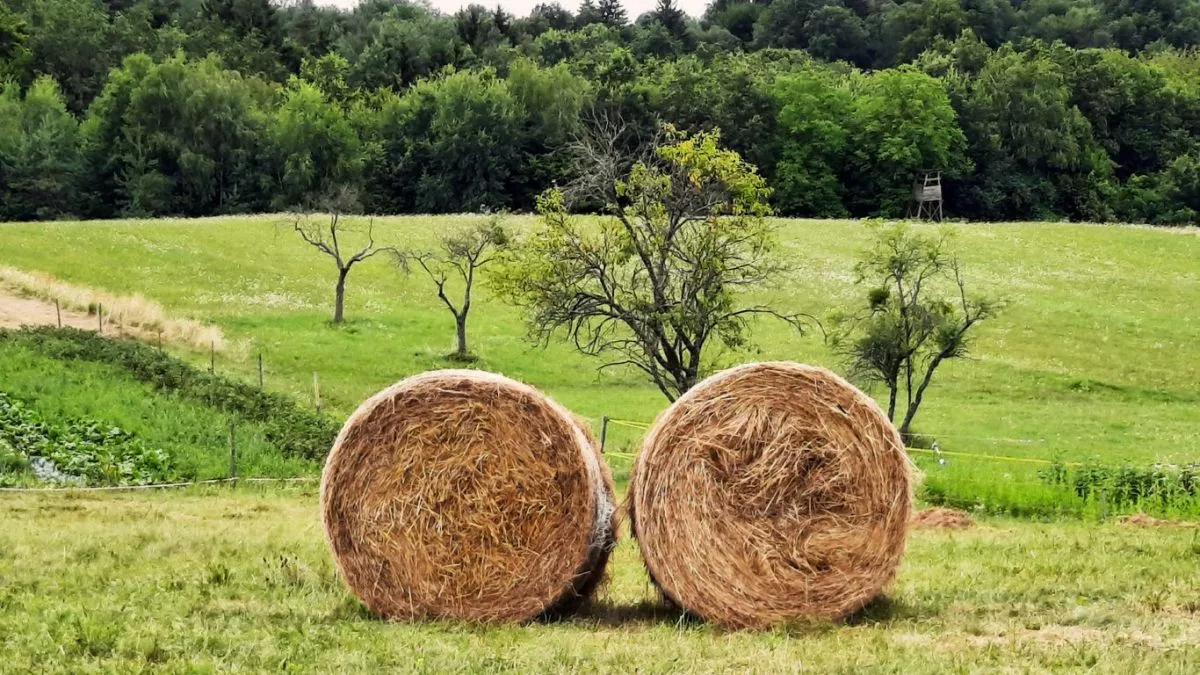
(1096,355)
(221,580)
(195,436)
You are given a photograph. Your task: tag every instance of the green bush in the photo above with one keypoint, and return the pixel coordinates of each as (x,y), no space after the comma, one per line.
(295,431)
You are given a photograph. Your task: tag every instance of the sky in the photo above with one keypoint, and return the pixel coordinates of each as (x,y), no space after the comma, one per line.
(522,7)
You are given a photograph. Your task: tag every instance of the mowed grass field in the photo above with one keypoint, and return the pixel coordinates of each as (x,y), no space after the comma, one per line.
(1096,355)
(221,580)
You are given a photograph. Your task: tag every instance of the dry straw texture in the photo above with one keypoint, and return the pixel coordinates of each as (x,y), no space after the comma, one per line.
(463,494)
(771,492)
(130,315)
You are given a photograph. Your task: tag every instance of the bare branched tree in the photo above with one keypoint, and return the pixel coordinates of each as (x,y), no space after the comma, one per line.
(658,283)
(326,236)
(918,315)
(459,256)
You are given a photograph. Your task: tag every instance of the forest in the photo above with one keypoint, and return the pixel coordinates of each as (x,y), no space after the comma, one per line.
(1030,109)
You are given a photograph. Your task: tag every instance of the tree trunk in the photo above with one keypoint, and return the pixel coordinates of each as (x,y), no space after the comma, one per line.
(339,302)
(891,402)
(460,321)
(911,413)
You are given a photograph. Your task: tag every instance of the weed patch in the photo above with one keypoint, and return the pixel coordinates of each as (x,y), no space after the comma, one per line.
(73,451)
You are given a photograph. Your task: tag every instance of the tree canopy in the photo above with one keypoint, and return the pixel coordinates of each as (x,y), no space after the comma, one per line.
(1085,110)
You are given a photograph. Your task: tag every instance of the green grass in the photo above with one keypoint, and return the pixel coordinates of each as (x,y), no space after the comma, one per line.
(195,436)
(241,580)
(1094,358)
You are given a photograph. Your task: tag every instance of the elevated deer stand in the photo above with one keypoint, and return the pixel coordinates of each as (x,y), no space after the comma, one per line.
(927,197)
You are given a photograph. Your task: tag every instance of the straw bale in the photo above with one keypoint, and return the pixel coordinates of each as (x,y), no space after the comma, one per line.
(771,492)
(463,494)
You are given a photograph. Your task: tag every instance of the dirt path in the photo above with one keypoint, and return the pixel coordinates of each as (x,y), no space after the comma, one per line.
(16,311)
(28,299)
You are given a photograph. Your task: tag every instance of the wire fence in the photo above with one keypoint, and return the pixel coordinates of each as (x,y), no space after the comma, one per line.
(160,486)
(605,421)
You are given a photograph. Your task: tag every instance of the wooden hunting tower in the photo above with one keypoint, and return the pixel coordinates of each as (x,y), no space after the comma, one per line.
(927,197)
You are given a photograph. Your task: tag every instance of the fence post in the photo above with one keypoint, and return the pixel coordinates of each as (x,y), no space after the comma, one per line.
(100,317)
(603,432)
(212,357)
(233,451)
(58,312)
(317,392)
(260,372)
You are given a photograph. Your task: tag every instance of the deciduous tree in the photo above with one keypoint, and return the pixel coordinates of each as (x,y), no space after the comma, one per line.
(328,237)
(658,283)
(918,315)
(456,262)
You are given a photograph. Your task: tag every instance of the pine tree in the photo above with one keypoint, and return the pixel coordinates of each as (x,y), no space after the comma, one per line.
(587,15)
(612,13)
(671,17)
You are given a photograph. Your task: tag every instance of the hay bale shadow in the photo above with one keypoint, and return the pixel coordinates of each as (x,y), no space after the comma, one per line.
(886,610)
(604,614)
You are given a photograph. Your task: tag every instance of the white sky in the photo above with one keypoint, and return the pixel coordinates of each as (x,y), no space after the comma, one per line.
(634,8)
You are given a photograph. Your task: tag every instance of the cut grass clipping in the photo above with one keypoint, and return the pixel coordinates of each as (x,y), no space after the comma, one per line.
(467,495)
(771,492)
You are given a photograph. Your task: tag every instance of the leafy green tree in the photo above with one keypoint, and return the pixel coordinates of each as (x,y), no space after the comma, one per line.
(918,315)
(1181,190)
(13,35)
(781,24)
(730,92)
(738,18)
(587,15)
(902,125)
(658,284)
(403,46)
(330,74)
(40,160)
(177,137)
(546,17)
(477,32)
(550,104)
(314,148)
(584,50)
(1034,152)
(1132,114)
(814,120)
(1076,24)
(1136,24)
(69,41)
(447,145)
(247,33)
(667,14)
(612,14)
(835,33)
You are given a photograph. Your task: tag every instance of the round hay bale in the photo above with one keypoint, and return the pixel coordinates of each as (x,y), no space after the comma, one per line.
(770,492)
(463,494)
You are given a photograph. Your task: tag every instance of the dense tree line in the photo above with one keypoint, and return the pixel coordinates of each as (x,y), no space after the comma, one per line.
(1083,109)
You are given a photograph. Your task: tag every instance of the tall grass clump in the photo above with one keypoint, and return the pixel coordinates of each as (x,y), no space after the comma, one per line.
(134,314)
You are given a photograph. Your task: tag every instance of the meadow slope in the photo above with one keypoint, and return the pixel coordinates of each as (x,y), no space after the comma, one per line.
(1095,355)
